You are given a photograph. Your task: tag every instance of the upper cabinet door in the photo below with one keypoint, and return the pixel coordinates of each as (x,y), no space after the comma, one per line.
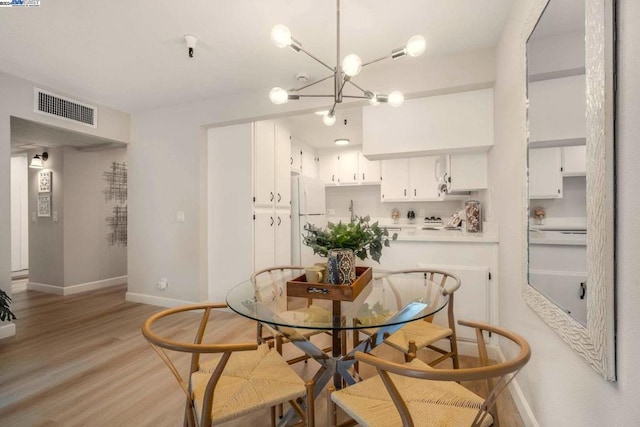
(468,172)
(368,170)
(545,175)
(423,184)
(348,166)
(574,160)
(309,163)
(328,168)
(282,179)
(264,163)
(395,180)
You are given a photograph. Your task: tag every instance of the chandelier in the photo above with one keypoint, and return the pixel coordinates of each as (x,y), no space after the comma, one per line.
(342,73)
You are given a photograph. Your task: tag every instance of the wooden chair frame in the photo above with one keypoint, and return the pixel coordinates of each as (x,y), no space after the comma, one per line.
(430,276)
(495,377)
(159,344)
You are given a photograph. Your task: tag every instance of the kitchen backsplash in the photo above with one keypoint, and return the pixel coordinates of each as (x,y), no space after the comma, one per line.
(366,201)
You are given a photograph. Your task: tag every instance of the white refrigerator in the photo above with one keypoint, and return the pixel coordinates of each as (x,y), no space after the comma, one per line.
(307,206)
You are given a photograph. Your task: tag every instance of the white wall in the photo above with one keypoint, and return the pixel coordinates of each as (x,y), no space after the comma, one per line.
(88,256)
(168,170)
(560,387)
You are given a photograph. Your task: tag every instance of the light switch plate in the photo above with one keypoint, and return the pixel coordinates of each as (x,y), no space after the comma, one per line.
(180,216)
(55,216)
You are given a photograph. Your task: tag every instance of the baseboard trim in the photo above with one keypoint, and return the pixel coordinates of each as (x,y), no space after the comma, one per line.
(76,289)
(7,331)
(19,286)
(524,409)
(154,300)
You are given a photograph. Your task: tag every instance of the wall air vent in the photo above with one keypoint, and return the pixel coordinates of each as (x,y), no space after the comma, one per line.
(65,108)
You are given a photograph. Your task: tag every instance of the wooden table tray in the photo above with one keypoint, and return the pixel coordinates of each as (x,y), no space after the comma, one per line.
(299,287)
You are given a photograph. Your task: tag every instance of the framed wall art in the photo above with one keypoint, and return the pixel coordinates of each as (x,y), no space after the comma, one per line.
(44,182)
(44,206)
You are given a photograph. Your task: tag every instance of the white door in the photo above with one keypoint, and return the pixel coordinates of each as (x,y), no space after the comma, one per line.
(19,214)
(545,176)
(263,239)
(282,167)
(395,180)
(264,170)
(422,178)
(368,170)
(348,165)
(328,168)
(282,238)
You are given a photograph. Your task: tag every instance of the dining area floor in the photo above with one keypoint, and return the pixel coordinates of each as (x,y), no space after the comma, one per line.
(82,360)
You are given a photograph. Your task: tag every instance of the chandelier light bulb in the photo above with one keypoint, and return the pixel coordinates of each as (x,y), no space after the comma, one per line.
(416,45)
(329,119)
(281,36)
(396,98)
(351,65)
(278,96)
(373,100)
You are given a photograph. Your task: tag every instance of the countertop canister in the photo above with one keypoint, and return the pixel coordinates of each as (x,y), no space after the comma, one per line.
(473,211)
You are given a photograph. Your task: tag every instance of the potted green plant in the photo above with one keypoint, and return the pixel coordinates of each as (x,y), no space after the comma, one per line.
(5,311)
(342,242)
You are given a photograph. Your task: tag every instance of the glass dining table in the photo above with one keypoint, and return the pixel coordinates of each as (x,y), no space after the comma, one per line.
(388,301)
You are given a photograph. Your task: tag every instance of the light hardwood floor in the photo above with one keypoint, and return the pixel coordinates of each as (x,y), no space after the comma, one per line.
(81,360)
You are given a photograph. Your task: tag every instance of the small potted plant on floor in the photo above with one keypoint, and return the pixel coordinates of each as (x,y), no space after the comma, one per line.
(342,242)
(5,311)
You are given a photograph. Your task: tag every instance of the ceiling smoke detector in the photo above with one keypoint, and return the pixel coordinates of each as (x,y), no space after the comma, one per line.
(302,77)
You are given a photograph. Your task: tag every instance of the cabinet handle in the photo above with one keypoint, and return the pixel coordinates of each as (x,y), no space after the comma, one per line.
(363,176)
(279,197)
(292,160)
(414,192)
(333,178)
(271,225)
(405,191)
(271,198)
(279,221)
(354,177)
(583,289)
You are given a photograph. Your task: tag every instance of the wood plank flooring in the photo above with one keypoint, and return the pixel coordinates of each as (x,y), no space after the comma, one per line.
(81,360)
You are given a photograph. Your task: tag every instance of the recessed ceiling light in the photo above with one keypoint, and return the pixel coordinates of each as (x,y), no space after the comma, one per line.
(322,112)
(342,141)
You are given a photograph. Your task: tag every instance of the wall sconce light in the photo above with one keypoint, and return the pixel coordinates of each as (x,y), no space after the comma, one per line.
(36,162)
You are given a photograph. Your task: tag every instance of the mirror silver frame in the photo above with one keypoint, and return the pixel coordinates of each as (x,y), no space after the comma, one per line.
(595,342)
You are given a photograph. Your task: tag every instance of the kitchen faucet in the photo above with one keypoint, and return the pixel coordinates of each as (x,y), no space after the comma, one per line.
(351,211)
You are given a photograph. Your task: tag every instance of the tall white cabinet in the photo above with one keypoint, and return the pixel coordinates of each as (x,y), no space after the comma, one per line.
(272,194)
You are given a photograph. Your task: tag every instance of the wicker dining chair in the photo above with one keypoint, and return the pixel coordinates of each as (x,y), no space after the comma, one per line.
(414,336)
(275,278)
(236,379)
(415,394)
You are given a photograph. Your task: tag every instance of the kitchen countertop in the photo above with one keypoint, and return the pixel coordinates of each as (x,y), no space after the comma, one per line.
(554,237)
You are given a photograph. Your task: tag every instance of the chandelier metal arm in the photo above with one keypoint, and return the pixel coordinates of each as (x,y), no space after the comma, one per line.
(315,96)
(316,59)
(364,91)
(312,83)
(355,96)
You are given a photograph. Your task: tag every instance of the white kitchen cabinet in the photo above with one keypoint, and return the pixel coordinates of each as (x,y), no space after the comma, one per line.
(368,170)
(453,123)
(328,169)
(272,165)
(468,172)
(545,173)
(574,160)
(557,109)
(296,156)
(348,167)
(309,162)
(409,180)
(272,238)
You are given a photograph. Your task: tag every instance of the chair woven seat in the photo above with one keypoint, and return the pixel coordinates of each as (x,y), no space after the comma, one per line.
(422,333)
(251,380)
(431,403)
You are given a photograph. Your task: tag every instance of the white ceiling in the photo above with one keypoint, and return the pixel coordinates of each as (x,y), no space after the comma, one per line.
(131,55)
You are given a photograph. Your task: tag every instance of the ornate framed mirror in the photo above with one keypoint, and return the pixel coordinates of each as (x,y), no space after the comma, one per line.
(569,221)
